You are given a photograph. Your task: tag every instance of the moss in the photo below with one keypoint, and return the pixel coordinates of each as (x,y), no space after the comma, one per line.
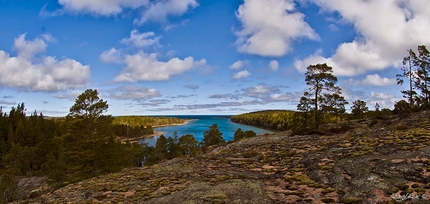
(325,167)
(297,193)
(415,185)
(216,198)
(352,199)
(420,190)
(409,190)
(403,186)
(392,190)
(327,190)
(302,178)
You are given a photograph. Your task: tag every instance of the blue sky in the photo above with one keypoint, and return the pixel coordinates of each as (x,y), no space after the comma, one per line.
(169,57)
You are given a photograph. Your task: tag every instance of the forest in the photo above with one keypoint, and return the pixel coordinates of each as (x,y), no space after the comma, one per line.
(323,102)
(84,144)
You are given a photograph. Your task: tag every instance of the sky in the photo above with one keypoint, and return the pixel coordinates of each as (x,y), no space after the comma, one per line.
(188,57)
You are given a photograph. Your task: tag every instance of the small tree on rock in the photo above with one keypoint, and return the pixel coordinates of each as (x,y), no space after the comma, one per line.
(359,108)
(323,96)
(212,136)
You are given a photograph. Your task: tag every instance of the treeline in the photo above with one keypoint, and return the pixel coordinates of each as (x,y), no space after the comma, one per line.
(137,126)
(268,119)
(146,121)
(125,131)
(83,144)
(167,148)
(79,146)
(323,101)
(416,74)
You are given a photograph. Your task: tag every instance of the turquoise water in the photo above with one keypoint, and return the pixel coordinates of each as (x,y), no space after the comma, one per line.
(199,124)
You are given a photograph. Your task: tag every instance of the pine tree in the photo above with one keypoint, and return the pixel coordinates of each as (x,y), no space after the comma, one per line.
(323,96)
(212,136)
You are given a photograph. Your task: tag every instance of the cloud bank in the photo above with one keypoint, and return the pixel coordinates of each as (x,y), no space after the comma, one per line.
(30,72)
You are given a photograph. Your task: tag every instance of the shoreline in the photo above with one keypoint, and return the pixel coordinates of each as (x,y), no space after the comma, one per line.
(136,139)
(155,134)
(264,128)
(173,124)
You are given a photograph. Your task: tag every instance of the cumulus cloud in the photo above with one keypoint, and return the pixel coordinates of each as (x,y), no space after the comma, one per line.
(135,93)
(32,73)
(386,29)
(159,10)
(101,7)
(270,26)
(146,67)
(71,96)
(274,65)
(140,40)
(261,91)
(241,74)
(374,80)
(111,56)
(237,65)
(385,100)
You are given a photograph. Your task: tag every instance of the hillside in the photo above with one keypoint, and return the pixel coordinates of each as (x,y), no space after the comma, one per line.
(360,161)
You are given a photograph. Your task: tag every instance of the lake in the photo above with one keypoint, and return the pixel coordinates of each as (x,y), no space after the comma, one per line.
(198,124)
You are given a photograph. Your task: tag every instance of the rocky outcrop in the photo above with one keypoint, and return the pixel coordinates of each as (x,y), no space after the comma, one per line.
(370,162)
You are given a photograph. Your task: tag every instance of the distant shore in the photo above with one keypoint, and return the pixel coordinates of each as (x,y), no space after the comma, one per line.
(136,139)
(174,124)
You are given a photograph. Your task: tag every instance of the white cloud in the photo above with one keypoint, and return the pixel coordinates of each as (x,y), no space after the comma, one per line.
(111,56)
(101,7)
(241,74)
(237,65)
(133,93)
(270,26)
(159,10)
(274,65)
(48,74)
(140,40)
(288,97)
(374,80)
(70,96)
(386,29)
(146,67)
(156,10)
(385,100)
(261,92)
(27,49)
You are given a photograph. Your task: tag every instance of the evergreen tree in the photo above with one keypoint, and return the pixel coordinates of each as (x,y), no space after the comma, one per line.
(240,134)
(359,108)
(212,136)
(188,145)
(323,96)
(87,146)
(408,72)
(416,69)
(423,77)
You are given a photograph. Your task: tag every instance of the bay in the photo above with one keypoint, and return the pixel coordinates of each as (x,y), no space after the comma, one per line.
(198,124)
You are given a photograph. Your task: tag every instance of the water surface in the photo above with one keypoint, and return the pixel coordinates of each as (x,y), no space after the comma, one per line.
(198,124)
